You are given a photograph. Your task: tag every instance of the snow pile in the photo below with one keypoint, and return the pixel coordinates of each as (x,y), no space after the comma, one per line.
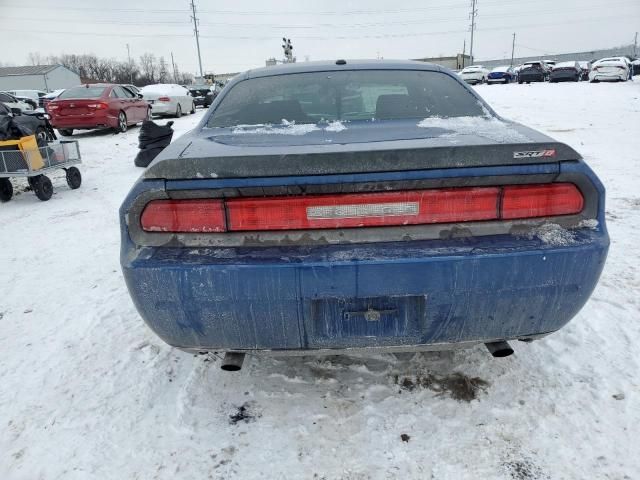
(336,126)
(488,127)
(553,234)
(286,128)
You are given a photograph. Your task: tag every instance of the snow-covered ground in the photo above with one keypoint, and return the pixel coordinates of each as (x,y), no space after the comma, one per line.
(88,392)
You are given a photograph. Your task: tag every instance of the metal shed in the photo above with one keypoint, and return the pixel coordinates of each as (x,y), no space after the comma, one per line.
(37,77)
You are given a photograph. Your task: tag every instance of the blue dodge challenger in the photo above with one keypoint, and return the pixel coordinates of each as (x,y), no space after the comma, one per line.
(377,205)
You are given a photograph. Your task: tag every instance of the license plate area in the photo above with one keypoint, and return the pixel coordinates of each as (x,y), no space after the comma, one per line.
(356,322)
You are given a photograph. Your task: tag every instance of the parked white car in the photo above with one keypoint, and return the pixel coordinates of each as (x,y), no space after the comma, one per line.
(615,69)
(34,95)
(474,74)
(168,99)
(12,102)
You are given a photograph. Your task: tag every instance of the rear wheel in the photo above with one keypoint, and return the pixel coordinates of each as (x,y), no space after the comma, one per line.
(74,179)
(6,190)
(122,123)
(65,132)
(42,187)
(193,108)
(178,111)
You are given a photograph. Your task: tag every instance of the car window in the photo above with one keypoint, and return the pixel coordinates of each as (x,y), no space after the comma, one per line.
(82,92)
(344,95)
(124,92)
(114,94)
(5,98)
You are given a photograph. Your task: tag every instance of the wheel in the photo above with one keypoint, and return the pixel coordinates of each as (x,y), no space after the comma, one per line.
(193,108)
(6,190)
(42,187)
(122,123)
(506,81)
(65,132)
(178,111)
(519,82)
(74,179)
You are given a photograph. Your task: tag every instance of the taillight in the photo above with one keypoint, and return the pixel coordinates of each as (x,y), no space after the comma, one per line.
(188,216)
(164,99)
(363,210)
(530,201)
(98,106)
(352,210)
(52,107)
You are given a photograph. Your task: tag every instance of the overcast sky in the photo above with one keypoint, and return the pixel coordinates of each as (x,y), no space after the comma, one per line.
(241,34)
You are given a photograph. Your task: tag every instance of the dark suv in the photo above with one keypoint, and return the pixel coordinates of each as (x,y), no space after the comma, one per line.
(202,95)
(533,72)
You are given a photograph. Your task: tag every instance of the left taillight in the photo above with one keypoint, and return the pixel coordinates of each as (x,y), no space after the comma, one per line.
(184,216)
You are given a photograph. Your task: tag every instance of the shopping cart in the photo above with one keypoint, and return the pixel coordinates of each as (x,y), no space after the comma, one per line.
(24,158)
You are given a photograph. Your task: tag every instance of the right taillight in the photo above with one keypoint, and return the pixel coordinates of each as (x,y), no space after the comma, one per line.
(164,99)
(530,201)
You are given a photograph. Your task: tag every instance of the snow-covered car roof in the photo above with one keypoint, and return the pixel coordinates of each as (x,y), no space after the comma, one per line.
(565,64)
(613,60)
(162,88)
(502,68)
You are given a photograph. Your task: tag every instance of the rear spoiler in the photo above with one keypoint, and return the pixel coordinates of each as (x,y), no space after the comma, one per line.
(345,161)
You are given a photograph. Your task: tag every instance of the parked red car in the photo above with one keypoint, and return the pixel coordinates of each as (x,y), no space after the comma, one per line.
(99,105)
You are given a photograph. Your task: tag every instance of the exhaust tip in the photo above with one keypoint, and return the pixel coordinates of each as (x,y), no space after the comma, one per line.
(499,349)
(232,362)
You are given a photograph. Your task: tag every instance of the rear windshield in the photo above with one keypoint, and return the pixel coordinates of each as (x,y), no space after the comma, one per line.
(367,95)
(82,92)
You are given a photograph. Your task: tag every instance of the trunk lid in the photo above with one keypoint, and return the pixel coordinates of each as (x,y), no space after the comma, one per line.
(80,107)
(355,147)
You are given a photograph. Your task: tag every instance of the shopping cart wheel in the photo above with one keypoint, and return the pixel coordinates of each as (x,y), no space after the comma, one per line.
(6,190)
(74,179)
(42,187)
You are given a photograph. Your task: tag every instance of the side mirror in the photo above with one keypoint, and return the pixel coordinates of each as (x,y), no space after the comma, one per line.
(16,111)
(140,95)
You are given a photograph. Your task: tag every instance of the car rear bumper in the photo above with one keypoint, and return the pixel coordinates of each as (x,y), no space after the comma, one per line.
(565,76)
(608,77)
(84,122)
(531,78)
(401,294)
(162,108)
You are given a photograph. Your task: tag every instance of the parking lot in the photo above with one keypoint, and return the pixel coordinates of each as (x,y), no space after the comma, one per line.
(88,391)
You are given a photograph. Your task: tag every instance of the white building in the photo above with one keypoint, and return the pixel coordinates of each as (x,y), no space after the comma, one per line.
(37,77)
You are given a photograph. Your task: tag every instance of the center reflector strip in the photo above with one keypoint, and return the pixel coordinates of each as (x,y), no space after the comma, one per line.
(365,210)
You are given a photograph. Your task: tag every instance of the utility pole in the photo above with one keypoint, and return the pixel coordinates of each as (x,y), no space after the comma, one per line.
(513,47)
(175,72)
(130,69)
(195,26)
(635,45)
(474,14)
(464,50)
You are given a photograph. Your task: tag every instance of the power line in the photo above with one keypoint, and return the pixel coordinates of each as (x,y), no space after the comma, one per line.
(310,37)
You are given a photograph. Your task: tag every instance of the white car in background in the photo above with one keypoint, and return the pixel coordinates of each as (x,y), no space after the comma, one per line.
(34,95)
(12,102)
(168,99)
(474,74)
(614,69)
